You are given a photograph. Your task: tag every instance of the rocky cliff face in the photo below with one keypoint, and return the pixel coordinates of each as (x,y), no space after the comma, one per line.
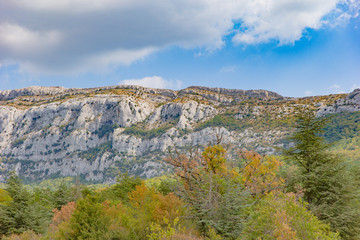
(52,132)
(351,103)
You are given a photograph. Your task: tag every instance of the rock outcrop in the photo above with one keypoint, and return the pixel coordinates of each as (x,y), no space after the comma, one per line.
(351,103)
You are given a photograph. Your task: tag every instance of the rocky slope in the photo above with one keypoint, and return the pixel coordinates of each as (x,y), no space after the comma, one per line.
(95,133)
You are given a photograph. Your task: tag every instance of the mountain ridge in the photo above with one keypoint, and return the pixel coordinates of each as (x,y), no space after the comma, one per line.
(41,91)
(96,132)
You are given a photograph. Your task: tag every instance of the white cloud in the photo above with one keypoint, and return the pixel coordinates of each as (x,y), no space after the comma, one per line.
(81,35)
(348,9)
(22,41)
(282,20)
(153,82)
(334,86)
(123,56)
(355,86)
(308,93)
(67,5)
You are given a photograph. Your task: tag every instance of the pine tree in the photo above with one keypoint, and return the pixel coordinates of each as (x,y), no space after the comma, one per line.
(323,176)
(62,196)
(21,214)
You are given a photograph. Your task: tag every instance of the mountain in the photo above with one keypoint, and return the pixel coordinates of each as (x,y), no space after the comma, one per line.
(49,132)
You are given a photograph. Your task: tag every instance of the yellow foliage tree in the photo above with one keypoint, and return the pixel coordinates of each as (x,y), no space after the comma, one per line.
(5,197)
(259,173)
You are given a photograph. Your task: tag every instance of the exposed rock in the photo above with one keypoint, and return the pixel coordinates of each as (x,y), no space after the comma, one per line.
(52,132)
(351,103)
(32,91)
(238,92)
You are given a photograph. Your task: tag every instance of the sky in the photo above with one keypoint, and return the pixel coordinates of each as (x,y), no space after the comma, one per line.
(293,47)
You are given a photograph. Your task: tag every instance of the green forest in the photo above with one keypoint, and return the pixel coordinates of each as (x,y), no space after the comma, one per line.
(306,193)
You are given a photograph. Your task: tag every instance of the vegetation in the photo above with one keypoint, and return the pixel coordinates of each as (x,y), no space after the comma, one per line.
(106,130)
(228,120)
(327,187)
(310,195)
(18,142)
(349,148)
(20,211)
(340,126)
(282,216)
(92,153)
(141,132)
(208,198)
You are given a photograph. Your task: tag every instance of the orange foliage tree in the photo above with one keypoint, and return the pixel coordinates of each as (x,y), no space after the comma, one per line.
(259,173)
(156,206)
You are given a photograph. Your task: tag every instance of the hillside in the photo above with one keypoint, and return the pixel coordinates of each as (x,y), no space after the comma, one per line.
(49,132)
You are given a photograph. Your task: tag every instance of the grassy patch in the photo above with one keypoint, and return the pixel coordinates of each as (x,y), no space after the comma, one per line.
(140,132)
(92,153)
(260,123)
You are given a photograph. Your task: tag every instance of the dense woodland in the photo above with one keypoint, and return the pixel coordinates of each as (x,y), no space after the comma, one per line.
(306,193)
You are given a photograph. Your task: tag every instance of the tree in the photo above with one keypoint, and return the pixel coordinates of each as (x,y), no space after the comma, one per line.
(88,221)
(5,197)
(322,175)
(280,216)
(21,214)
(62,195)
(60,221)
(260,173)
(216,193)
(119,191)
(149,208)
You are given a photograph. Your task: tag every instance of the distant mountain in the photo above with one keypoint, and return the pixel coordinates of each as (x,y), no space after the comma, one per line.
(48,132)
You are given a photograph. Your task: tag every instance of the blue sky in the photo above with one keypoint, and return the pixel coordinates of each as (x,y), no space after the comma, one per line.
(293,47)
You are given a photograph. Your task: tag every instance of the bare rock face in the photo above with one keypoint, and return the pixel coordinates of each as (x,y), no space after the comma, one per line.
(53,132)
(351,103)
(31,91)
(238,92)
(354,97)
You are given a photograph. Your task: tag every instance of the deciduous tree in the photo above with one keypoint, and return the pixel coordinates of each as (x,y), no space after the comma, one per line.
(280,216)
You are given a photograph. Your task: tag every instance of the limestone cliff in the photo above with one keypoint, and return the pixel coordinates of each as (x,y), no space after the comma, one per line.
(54,131)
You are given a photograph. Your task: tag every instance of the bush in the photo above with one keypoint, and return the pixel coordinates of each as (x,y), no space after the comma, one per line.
(18,142)
(105,130)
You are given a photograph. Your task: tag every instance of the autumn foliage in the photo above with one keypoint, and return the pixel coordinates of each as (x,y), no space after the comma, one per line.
(208,197)
(259,173)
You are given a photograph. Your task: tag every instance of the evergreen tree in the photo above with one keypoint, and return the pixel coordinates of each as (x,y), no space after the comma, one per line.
(327,187)
(120,190)
(62,195)
(88,221)
(21,214)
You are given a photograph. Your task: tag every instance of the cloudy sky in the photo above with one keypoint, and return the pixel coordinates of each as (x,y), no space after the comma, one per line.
(293,47)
